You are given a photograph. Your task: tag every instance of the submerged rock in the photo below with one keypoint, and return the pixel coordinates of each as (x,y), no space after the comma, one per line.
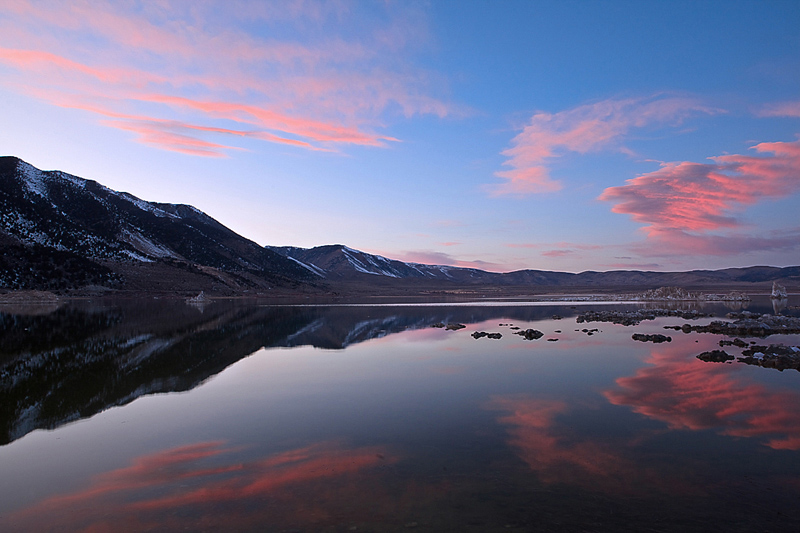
(454,327)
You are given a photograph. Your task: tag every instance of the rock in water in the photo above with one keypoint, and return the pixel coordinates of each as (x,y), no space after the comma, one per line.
(715,356)
(651,338)
(778,291)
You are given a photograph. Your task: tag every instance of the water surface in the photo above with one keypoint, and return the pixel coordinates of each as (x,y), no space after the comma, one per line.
(156,415)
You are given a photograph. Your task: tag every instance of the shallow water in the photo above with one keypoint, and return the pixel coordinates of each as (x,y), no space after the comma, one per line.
(159,416)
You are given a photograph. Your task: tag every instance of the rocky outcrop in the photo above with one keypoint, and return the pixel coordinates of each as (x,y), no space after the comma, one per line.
(778,291)
(739,343)
(657,338)
(715,356)
(775,356)
(749,325)
(481,334)
(530,334)
(632,318)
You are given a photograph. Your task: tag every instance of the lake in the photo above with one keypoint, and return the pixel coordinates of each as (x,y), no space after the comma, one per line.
(157,415)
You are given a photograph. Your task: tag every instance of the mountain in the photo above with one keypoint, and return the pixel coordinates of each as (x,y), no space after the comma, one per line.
(339,262)
(60,231)
(343,264)
(63,232)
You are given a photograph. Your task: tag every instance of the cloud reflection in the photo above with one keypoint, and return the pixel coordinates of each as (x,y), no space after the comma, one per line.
(206,483)
(558,456)
(689,394)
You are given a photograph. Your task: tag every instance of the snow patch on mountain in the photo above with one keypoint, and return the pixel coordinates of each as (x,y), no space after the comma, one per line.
(377,269)
(144,245)
(313,268)
(75,180)
(33,178)
(147,206)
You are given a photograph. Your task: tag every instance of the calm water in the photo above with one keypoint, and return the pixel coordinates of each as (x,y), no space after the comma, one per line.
(161,416)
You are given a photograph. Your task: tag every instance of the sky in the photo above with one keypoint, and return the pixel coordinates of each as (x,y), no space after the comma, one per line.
(554,135)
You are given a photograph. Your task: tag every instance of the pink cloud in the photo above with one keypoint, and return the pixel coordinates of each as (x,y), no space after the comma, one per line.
(269,119)
(323,89)
(782,109)
(665,243)
(557,253)
(46,63)
(426,257)
(587,128)
(681,203)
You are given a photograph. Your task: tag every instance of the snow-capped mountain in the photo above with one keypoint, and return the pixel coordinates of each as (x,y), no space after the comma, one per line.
(338,262)
(57,217)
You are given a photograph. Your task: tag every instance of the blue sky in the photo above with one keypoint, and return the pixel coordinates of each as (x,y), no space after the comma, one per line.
(503,135)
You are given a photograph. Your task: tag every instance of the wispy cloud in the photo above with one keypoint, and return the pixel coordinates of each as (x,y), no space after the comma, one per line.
(587,128)
(427,257)
(272,75)
(686,205)
(781,109)
(558,249)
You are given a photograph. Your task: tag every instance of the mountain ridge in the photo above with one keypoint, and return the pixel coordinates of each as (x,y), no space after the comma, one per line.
(342,263)
(51,212)
(63,232)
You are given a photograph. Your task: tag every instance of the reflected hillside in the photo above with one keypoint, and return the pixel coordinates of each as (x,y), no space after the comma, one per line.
(82,359)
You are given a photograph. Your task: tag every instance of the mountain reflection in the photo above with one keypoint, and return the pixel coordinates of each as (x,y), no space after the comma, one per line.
(209,482)
(80,360)
(689,394)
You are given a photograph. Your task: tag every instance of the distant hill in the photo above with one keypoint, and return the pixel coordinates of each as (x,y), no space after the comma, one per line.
(60,231)
(63,232)
(340,263)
